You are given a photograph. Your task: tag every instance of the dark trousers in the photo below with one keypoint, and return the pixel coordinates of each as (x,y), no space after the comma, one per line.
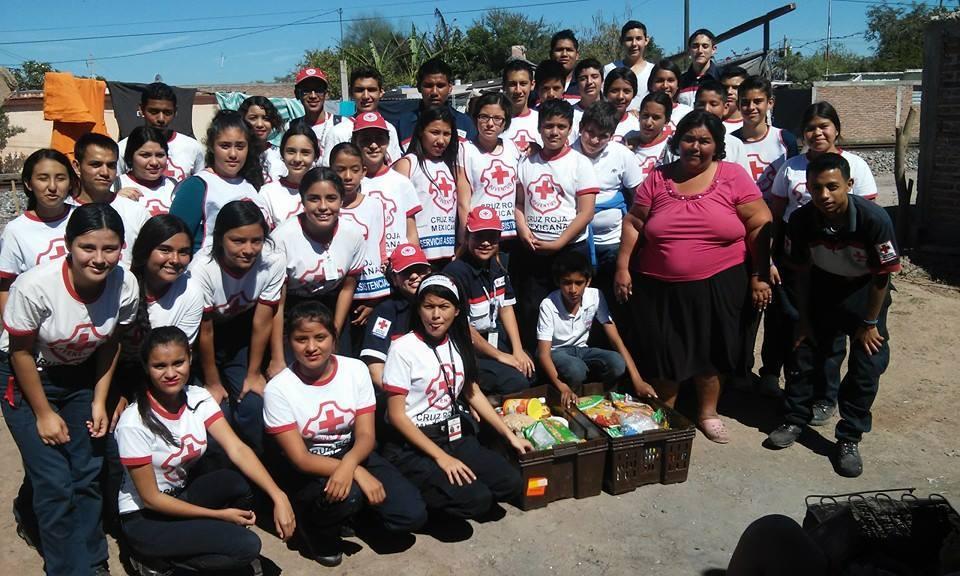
(816,360)
(198,543)
(532,277)
(402,511)
(496,479)
(232,350)
(66,491)
(497,378)
(577,365)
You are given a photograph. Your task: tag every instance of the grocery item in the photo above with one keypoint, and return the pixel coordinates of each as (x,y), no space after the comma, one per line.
(636,423)
(532,407)
(622,415)
(538,435)
(517,422)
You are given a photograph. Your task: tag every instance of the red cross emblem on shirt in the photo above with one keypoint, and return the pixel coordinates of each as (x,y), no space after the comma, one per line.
(78,345)
(647,165)
(669,129)
(55,250)
(383,324)
(544,194)
(174,171)
(330,416)
(522,140)
(799,193)
(441,190)
(757,166)
(389,207)
(499,180)
(190,449)
(235,304)
(155,206)
(437,391)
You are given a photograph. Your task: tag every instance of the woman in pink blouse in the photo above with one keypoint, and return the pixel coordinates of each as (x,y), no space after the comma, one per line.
(704,252)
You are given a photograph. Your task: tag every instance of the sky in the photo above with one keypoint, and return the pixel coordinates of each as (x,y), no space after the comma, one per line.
(263,40)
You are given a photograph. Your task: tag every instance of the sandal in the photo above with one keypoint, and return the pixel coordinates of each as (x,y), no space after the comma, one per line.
(714,430)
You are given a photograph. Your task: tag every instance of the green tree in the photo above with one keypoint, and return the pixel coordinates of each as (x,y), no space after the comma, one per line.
(805,70)
(327,60)
(7,130)
(29,75)
(897,35)
(490,37)
(601,40)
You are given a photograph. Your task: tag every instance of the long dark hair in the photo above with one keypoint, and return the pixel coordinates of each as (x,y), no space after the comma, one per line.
(31,163)
(321,174)
(162,336)
(621,73)
(234,215)
(459,332)
(154,232)
(301,128)
(669,66)
(140,136)
(92,217)
(251,171)
(449,156)
(269,110)
(822,109)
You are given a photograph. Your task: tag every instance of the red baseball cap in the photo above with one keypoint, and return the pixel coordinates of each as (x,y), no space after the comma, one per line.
(483,218)
(366,120)
(407,255)
(307,73)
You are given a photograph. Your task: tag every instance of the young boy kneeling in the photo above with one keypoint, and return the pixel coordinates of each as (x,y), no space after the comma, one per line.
(566,316)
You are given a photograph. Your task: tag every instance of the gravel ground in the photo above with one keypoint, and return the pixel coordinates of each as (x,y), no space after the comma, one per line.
(881,160)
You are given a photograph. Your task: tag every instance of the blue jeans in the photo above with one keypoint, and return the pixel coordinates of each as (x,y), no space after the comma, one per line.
(576,364)
(66,490)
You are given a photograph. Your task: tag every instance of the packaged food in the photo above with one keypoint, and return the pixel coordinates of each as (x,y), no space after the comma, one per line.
(603,414)
(539,435)
(532,407)
(587,402)
(517,422)
(627,404)
(561,433)
(636,423)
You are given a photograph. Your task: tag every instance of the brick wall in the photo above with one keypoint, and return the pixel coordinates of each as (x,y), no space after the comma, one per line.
(939,174)
(868,110)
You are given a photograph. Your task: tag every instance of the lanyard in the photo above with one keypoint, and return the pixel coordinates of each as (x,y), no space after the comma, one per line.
(446,378)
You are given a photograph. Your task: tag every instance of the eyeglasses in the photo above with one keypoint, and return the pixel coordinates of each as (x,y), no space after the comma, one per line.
(317,91)
(495,120)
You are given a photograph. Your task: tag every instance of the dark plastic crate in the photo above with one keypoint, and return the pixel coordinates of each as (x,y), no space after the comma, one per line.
(656,456)
(572,470)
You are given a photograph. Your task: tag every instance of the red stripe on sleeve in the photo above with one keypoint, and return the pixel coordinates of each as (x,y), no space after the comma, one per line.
(213,418)
(271,303)
(395,390)
(16,332)
(138,461)
(414,211)
(367,410)
(281,429)
(588,191)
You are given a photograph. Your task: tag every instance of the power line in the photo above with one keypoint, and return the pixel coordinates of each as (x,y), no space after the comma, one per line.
(822,40)
(885,3)
(302,22)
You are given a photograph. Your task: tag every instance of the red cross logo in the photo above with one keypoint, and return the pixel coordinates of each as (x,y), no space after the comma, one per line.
(330,417)
(174,171)
(669,129)
(383,324)
(543,194)
(436,392)
(79,345)
(499,180)
(296,210)
(441,190)
(190,449)
(389,207)
(647,165)
(757,166)
(156,206)
(55,250)
(800,193)
(234,305)
(522,140)
(352,218)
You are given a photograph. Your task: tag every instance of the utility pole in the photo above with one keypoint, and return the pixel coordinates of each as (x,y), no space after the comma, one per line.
(686,22)
(826,52)
(344,89)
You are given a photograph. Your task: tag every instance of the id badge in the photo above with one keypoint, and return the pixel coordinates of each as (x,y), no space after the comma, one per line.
(493,338)
(330,272)
(454,429)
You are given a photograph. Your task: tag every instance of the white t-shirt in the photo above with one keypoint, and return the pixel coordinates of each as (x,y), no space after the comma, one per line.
(324,411)
(791,181)
(551,188)
(437,222)
(68,329)
(157,196)
(181,306)
(765,157)
(185,157)
(399,200)
(368,217)
(218,192)
(343,132)
(732,125)
(627,125)
(616,169)
(493,180)
(523,130)
(139,446)
(273,167)
(226,296)
(282,199)
(557,326)
(413,370)
(649,156)
(575,125)
(29,241)
(643,80)
(323,130)
(133,215)
(313,267)
(733,147)
(676,115)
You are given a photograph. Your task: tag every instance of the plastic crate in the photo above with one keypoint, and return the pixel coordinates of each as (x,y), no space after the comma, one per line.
(656,456)
(572,470)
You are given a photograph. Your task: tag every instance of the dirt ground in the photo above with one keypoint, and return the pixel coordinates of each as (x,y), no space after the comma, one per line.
(688,528)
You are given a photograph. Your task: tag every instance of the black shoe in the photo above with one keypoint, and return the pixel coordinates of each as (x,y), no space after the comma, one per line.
(328,552)
(347,531)
(849,463)
(148,567)
(823,411)
(784,436)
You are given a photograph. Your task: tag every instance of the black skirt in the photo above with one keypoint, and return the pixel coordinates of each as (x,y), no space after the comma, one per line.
(685,329)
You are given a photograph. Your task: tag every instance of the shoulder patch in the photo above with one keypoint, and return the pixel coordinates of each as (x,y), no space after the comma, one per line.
(886,251)
(381,327)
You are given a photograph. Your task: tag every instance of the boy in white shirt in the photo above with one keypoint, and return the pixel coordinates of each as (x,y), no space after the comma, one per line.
(566,316)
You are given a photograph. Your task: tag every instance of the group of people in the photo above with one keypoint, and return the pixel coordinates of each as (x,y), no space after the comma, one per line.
(327,319)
